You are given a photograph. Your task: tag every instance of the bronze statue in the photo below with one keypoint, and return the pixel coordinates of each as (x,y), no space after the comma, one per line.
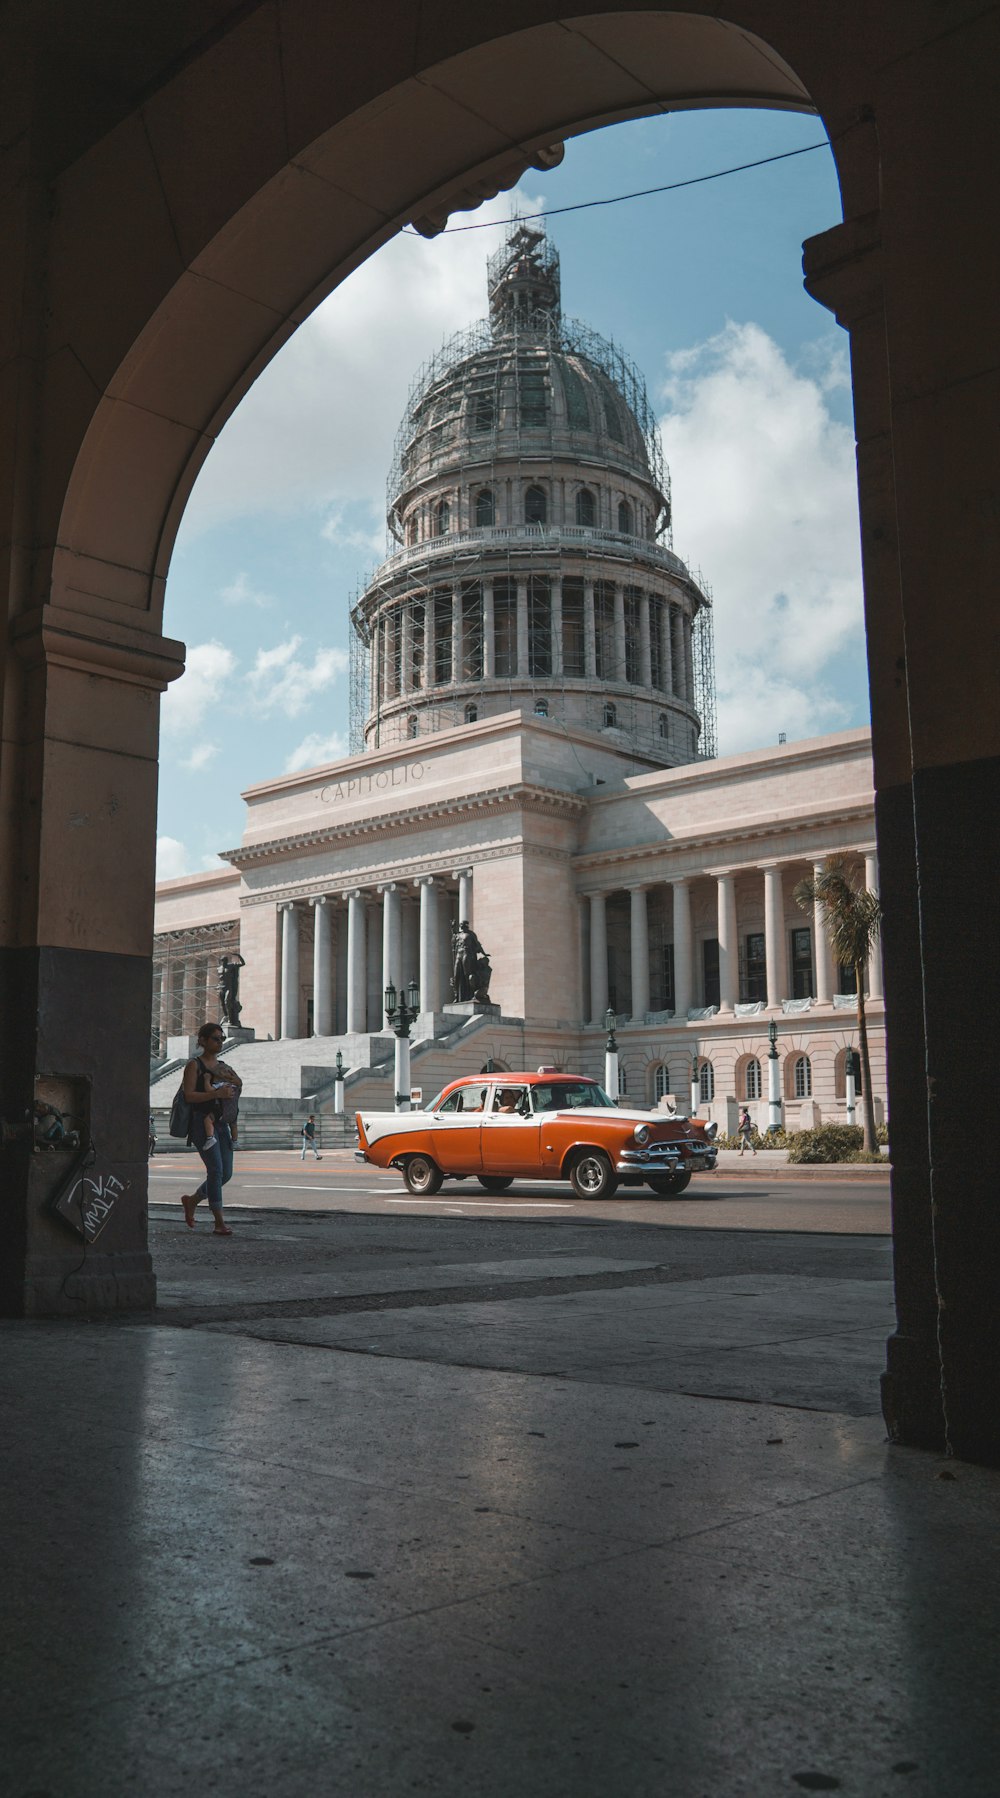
(471,971)
(229,989)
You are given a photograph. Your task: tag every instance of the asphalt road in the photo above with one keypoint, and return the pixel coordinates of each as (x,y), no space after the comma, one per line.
(280,1181)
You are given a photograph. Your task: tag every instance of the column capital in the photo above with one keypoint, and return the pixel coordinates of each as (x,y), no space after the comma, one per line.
(425,880)
(353,893)
(286,904)
(639,886)
(461,874)
(322,899)
(389,886)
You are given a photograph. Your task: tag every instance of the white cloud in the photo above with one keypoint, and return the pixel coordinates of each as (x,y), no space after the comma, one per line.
(765,501)
(240,593)
(200,756)
(315,749)
(317,421)
(171,858)
(280,681)
(336,530)
(199,690)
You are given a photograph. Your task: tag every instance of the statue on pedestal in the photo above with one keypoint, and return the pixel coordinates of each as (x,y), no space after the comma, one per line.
(471,971)
(229,989)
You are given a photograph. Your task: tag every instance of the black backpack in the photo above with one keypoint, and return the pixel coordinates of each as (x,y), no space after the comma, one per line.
(180,1112)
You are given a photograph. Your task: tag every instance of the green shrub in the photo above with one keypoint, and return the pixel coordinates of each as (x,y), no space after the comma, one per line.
(882,1134)
(831,1142)
(873,1155)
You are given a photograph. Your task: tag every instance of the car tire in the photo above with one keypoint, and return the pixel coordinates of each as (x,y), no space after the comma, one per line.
(592,1175)
(669,1186)
(422,1176)
(495,1182)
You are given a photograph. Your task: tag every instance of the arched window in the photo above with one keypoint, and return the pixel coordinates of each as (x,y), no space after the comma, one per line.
(535,506)
(803,1077)
(661,1081)
(411,528)
(471,714)
(610,716)
(412,725)
(664,725)
(541,708)
(706,1083)
(622,1080)
(752,1079)
(485,507)
(442,519)
(625,520)
(840,1075)
(586,507)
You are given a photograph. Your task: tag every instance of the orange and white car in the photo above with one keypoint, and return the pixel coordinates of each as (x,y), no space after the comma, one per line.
(498,1128)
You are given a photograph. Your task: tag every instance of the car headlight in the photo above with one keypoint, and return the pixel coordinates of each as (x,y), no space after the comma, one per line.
(641,1133)
(711,1131)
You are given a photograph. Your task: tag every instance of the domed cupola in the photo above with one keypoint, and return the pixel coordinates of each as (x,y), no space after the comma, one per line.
(529,501)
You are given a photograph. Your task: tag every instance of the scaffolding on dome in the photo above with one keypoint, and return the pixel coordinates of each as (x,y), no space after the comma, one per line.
(703,656)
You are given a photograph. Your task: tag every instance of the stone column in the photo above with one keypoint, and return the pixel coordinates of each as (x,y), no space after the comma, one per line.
(388,685)
(464,879)
(677,652)
(639,943)
(289,971)
(164,1029)
(374,684)
(645,647)
(598,957)
(430,954)
(456,634)
(189,998)
(875,959)
(774,937)
(322,969)
(392,936)
(523,662)
(729,970)
(589,632)
(357,970)
(688,627)
(619,616)
(406,649)
(682,948)
(489,633)
(557,626)
(821,948)
(666,652)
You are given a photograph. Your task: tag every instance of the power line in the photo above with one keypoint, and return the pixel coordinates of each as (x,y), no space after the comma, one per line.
(643,193)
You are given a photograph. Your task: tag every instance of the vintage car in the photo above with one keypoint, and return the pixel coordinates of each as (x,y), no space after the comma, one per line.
(498,1128)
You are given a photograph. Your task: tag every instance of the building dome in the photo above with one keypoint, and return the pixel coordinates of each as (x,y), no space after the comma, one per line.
(529,501)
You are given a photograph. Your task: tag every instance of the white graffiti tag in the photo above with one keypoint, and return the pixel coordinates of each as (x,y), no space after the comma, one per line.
(95,1198)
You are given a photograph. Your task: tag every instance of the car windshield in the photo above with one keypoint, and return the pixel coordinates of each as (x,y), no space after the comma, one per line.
(567,1095)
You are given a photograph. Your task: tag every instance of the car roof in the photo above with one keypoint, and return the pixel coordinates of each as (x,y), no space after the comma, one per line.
(512,1079)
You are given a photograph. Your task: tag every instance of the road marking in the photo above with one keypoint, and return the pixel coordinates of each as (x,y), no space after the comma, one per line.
(493,1204)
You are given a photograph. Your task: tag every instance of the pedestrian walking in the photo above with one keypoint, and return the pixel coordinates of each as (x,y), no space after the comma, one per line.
(309,1137)
(212,1091)
(152,1135)
(744,1131)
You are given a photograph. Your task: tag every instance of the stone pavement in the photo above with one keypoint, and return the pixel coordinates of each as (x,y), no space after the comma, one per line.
(380,1506)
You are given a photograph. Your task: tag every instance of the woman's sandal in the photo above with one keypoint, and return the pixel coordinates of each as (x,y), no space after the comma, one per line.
(188,1202)
(224,1231)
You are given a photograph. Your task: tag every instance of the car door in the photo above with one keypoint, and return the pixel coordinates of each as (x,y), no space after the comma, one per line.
(457,1130)
(510,1139)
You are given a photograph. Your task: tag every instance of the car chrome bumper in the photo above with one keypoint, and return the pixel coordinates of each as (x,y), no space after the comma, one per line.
(639,1161)
(359,1155)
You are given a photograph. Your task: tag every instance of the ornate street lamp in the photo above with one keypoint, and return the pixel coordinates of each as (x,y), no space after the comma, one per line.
(611,1057)
(339,1071)
(402,1009)
(695,1084)
(851,1080)
(773,1080)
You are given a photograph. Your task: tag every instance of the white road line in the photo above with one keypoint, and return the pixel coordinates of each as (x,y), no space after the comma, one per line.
(495,1204)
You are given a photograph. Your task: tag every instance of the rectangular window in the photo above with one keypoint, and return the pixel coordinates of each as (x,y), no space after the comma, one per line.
(846,982)
(803,986)
(505,628)
(633,659)
(665,995)
(574,665)
(754,970)
(539,627)
(604,629)
(441,612)
(472,633)
(710,970)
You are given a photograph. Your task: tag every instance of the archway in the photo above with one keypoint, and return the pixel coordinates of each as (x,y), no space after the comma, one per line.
(184,242)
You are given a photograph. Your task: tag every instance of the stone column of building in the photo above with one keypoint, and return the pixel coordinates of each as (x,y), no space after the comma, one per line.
(374,667)
(523,659)
(689,658)
(598,957)
(821,948)
(618,672)
(639,944)
(464,879)
(406,647)
(164,1007)
(388,688)
(289,971)
(589,632)
(875,959)
(774,936)
(645,646)
(430,962)
(392,937)
(557,627)
(729,964)
(357,968)
(677,652)
(322,968)
(666,649)
(683,987)
(189,997)
(489,633)
(210,992)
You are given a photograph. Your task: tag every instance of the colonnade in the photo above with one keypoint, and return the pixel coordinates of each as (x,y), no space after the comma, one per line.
(777,924)
(411,940)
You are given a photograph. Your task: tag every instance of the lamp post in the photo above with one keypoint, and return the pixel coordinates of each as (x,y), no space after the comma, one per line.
(695,1084)
(339,1071)
(850,1067)
(773,1080)
(401,1015)
(611,1057)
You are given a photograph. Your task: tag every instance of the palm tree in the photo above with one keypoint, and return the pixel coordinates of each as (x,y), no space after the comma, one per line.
(853,918)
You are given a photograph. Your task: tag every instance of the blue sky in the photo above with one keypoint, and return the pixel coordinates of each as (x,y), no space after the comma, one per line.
(749,377)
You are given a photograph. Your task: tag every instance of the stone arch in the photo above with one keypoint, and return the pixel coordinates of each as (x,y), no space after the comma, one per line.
(744,1077)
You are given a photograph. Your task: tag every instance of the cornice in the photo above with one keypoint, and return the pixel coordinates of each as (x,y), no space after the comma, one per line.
(721,841)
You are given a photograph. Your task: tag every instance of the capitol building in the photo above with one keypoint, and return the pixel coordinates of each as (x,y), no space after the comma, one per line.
(534,750)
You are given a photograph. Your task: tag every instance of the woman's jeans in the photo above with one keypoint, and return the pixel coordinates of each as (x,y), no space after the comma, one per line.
(217,1154)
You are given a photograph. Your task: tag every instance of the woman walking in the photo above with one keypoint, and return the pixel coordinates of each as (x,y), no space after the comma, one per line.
(211,1089)
(744,1131)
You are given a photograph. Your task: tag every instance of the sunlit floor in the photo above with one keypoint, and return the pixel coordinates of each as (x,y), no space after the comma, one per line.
(454,1528)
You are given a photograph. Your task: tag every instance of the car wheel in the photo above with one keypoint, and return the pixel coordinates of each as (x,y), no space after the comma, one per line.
(668,1186)
(592,1176)
(494,1182)
(422,1175)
